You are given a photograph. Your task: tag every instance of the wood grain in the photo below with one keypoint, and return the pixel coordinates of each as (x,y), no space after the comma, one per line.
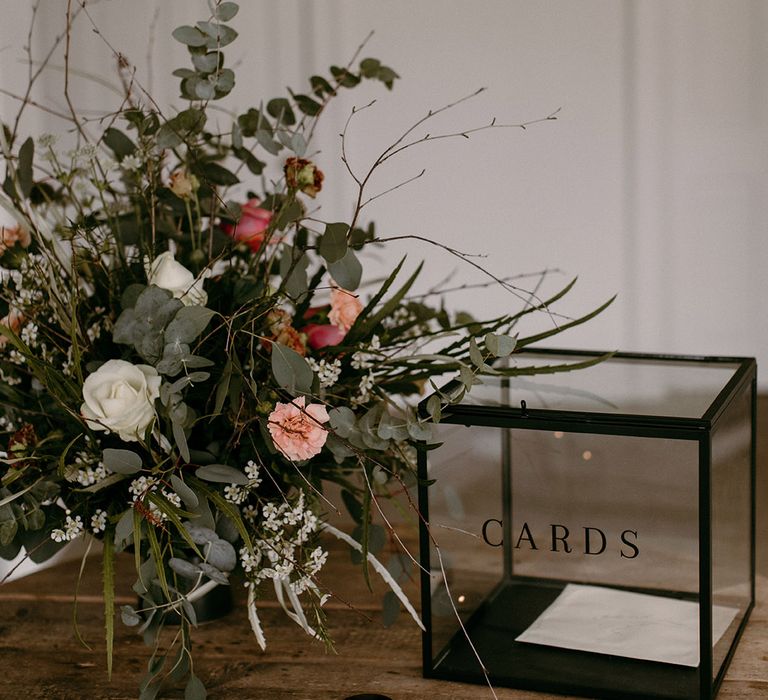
(41,659)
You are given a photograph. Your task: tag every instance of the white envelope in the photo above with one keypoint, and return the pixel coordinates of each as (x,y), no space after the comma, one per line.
(635,625)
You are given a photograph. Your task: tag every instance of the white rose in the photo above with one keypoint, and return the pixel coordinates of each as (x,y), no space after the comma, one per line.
(166,273)
(119,397)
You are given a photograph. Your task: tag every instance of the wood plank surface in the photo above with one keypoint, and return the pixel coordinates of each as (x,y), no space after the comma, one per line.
(40,657)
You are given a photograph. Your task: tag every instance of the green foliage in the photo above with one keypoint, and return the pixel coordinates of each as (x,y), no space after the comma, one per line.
(183,471)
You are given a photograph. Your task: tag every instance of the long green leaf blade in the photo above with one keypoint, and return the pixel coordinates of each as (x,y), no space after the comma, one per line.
(108,580)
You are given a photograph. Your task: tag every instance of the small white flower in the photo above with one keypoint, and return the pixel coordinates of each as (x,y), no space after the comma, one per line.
(172,498)
(131,162)
(252,472)
(139,487)
(99,521)
(46,140)
(235,494)
(327,372)
(73,528)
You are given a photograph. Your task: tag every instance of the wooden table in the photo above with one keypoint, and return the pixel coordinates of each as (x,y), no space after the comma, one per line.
(40,657)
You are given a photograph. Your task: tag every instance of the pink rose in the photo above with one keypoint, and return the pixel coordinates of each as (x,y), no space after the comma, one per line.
(252,226)
(345,308)
(323,335)
(296,429)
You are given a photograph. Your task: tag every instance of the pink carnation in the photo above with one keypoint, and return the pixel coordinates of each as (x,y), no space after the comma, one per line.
(345,308)
(296,429)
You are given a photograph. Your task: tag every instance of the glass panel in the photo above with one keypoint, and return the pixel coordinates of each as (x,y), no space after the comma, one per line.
(669,388)
(603,523)
(468,486)
(605,509)
(731,517)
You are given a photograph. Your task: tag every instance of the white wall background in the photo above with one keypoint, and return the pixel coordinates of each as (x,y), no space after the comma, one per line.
(652,183)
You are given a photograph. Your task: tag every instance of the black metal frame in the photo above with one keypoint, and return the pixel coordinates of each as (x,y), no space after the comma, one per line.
(695,429)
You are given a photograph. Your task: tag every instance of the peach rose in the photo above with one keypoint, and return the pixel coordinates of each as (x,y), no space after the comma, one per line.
(10,236)
(13,320)
(252,225)
(345,308)
(296,430)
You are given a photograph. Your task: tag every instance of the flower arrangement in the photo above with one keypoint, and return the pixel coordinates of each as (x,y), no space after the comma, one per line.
(185,362)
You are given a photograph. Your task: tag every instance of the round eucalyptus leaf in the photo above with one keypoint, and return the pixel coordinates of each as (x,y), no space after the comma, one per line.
(199,534)
(191,36)
(129,616)
(214,574)
(184,568)
(221,554)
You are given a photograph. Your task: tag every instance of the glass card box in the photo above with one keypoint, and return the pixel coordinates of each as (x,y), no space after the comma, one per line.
(593,530)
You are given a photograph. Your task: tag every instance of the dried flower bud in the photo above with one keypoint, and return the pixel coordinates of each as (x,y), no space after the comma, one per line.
(302,174)
(281,331)
(13,320)
(11,235)
(21,444)
(183,184)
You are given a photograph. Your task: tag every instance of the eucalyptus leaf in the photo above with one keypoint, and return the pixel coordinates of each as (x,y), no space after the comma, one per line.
(500,345)
(204,89)
(333,243)
(124,528)
(293,270)
(184,492)
(347,272)
(206,62)
(200,534)
(216,174)
(224,12)
(267,142)
(121,461)
(281,110)
(191,36)
(221,473)
(434,407)
(218,34)
(291,371)
(129,616)
(188,323)
(184,568)
(221,554)
(181,439)
(342,420)
(24,173)
(298,144)
(118,143)
(195,690)
(214,574)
